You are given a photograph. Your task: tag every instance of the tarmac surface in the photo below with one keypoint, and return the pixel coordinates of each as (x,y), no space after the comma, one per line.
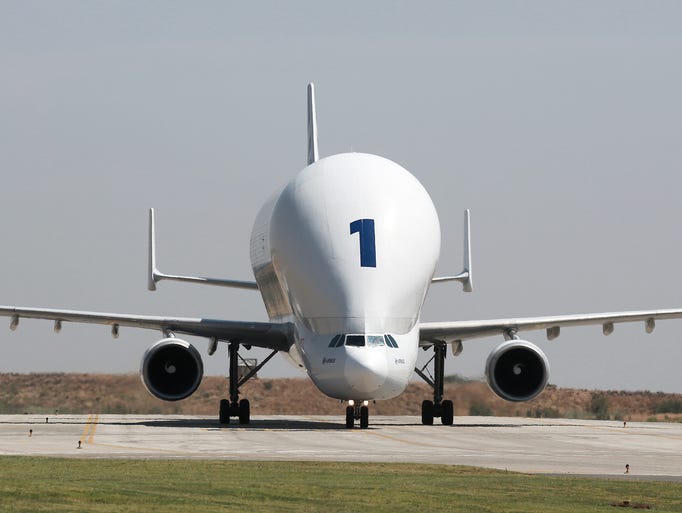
(543,446)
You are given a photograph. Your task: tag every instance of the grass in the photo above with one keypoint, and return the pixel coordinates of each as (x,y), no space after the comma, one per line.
(88,485)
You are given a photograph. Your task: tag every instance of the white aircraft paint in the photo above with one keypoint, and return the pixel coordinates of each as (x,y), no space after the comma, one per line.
(343,257)
(308,266)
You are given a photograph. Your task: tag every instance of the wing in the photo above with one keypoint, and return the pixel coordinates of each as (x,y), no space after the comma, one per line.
(277,336)
(431,332)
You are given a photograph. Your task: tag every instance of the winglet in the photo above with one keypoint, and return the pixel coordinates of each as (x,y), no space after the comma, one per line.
(467,283)
(152,271)
(312,125)
(466,275)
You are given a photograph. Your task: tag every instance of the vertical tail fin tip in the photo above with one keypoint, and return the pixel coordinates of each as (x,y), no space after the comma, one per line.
(312,126)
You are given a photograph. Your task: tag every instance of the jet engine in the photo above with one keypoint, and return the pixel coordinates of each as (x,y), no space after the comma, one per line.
(171,369)
(517,370)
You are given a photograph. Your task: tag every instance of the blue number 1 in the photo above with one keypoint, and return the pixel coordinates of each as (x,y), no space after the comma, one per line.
(368,252)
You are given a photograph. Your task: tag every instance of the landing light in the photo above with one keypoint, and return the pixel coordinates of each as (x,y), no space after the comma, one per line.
(351,403)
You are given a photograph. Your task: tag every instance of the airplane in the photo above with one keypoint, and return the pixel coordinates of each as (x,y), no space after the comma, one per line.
(343,256)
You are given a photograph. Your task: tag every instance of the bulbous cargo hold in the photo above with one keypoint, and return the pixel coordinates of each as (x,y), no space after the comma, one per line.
(171,369)
(330,245)
(517,370)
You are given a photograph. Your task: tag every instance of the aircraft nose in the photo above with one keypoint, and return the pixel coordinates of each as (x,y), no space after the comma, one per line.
(365,372)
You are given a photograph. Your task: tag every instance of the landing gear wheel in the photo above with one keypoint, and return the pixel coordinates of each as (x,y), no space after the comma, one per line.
(350,417)
(224,411)
(364,417)
(244,411)
(447,413)
(427,412)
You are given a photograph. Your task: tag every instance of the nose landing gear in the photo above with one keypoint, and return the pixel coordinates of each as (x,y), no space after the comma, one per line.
(357,411)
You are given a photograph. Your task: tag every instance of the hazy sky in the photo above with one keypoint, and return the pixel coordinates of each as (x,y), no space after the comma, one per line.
(558,123)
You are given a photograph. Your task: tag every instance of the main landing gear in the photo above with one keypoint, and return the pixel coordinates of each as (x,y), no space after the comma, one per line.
(234,407)
(436,408)
(357,412)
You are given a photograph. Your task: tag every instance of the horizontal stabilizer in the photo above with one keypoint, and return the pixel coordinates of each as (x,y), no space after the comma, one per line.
(154,275)
(466,275)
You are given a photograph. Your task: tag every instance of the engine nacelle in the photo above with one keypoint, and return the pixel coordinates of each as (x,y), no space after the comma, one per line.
(517,370)
(171,369)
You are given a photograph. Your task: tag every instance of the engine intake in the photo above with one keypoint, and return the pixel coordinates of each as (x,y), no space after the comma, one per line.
(517,370)
(171,369)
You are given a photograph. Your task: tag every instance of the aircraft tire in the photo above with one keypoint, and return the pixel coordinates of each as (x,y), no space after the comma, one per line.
(364,417)
(224,415)
(244,411)
(447,413)
(427,412)
(350,417)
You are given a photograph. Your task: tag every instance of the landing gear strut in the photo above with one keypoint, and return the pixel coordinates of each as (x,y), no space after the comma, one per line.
(359,411)
(234,407)
(436,408)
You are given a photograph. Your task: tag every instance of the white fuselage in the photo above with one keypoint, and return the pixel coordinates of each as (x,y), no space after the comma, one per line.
(349,247)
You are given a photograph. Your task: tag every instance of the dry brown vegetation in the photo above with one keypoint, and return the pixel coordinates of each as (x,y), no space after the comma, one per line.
(124,393)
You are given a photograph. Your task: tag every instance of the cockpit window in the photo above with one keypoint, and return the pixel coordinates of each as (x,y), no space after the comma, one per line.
(375,340)
(364,340)
(355,340)
(390,341)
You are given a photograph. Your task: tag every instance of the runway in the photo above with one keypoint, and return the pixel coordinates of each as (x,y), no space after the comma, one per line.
(547,446)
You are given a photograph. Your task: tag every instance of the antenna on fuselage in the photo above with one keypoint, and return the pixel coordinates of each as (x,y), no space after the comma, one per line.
(312,125)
